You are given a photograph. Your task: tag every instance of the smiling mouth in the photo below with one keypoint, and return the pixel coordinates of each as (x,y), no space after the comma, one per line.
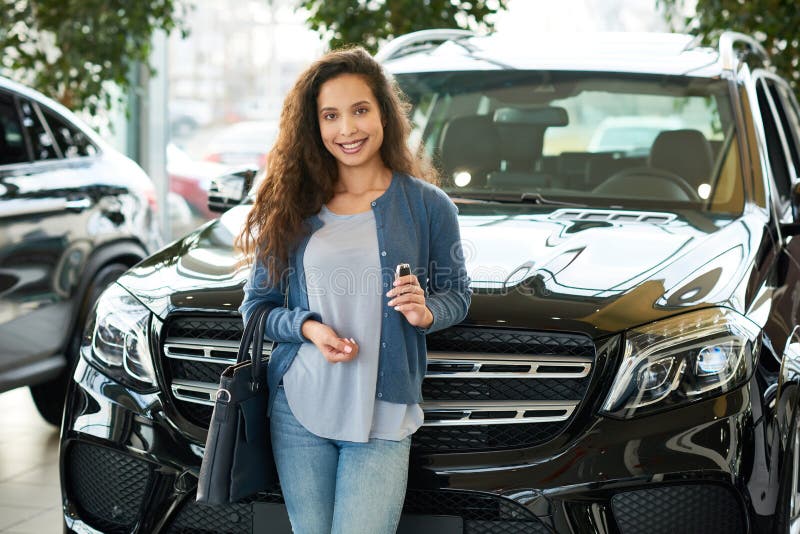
(352,148)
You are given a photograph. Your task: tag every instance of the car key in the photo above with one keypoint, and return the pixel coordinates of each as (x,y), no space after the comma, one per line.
(402,269)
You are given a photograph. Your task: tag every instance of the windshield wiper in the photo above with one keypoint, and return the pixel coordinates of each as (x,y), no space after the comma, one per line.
(537,198)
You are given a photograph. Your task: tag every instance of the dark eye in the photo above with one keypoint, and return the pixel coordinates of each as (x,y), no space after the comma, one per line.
(361,111)
(329,116)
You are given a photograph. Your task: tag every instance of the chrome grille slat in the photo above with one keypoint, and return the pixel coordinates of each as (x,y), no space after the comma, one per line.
(523,393)
(180,387)
(520,408)
(582,365)
(179,349)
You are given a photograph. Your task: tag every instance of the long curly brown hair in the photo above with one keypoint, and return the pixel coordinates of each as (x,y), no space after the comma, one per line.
(301,173)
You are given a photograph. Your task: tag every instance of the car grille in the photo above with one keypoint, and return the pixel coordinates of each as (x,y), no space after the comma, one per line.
(110,504)
(703,508)
(484,389)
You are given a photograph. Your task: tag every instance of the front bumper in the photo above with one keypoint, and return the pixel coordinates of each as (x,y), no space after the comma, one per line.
(126,467)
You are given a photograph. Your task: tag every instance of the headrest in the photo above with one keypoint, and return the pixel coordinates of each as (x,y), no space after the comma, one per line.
(521,133)
(469,142)
(686,153)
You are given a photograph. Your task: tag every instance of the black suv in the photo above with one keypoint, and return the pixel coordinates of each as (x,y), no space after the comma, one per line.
(630,359)
(75,214)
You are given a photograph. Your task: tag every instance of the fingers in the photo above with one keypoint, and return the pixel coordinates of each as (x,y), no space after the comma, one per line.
(409,306)
(407,279)
(417,297)
(405,289)
(340,350)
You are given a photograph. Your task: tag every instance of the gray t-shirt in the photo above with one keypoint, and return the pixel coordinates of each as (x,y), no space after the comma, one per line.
(343,279)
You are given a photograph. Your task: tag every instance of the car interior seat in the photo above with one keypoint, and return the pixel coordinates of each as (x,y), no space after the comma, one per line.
(469,143)
(521,134)
(686,153)
(679,162)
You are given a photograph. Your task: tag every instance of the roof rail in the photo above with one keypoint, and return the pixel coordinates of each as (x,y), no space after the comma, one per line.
(440,35)
(727,48)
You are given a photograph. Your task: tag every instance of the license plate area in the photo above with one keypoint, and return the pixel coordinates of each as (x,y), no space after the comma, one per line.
(272,518)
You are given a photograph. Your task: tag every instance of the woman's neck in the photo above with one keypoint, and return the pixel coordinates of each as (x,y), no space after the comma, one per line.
(357,181)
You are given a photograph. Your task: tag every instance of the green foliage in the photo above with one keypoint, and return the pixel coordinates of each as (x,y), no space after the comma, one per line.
(71,49)
(368,22)
(774,23)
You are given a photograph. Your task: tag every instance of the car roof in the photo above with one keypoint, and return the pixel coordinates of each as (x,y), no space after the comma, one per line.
(11,85)
(623,52)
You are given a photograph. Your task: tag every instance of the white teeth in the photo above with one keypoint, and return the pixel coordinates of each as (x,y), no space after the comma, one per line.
(351,146)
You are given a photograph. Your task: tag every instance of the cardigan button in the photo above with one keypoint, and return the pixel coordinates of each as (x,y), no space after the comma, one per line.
(386,315)
(383,344)
(372,203)
(380,395)
(383,253)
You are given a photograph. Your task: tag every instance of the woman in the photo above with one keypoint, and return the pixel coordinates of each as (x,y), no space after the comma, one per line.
(339,208)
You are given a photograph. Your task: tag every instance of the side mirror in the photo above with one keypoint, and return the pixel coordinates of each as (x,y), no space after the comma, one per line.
(793,228)
(229,190)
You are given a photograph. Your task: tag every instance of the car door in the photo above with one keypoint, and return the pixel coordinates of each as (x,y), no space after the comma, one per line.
(43,225)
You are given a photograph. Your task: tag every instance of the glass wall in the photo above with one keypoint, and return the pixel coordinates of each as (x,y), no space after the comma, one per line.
(226,83)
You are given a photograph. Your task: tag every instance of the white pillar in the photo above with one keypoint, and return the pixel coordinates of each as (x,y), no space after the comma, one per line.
(154,131)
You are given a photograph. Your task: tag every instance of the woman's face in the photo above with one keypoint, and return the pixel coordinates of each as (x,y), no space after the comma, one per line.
(350,121)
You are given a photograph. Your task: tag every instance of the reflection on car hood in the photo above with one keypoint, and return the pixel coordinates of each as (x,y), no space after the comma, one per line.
(597,271)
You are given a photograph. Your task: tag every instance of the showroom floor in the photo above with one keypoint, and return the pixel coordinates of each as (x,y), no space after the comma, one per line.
(29,485)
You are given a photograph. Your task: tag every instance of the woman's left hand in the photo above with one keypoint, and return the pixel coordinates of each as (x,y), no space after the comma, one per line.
(409,299)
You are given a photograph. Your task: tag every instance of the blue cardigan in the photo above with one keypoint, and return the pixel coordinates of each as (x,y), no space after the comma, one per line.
(417,223)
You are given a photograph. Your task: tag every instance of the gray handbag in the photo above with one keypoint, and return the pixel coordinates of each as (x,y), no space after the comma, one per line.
(237,461)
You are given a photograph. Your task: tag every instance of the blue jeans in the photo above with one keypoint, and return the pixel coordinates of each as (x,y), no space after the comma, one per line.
(337,487)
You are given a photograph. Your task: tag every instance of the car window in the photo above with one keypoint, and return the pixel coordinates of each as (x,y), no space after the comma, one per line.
(44,147)
(12,142)
(602,139)
(72,141)
(777,156)
(790,121)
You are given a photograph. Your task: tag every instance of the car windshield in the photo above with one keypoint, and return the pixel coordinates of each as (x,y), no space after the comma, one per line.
(613,140)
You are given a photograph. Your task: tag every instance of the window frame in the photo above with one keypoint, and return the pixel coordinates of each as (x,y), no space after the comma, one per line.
(44,112)
(761,81)
(15,104)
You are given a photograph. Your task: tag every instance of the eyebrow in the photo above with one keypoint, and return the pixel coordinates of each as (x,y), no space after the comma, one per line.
(331,108)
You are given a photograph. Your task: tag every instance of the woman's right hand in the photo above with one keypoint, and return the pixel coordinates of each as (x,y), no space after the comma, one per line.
(334,348)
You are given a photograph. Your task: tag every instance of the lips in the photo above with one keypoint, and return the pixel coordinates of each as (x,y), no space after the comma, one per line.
(353,147)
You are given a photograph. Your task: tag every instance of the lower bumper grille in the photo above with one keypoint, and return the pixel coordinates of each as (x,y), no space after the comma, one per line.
(111,504)
(687,508)
(482,514)
(484,389)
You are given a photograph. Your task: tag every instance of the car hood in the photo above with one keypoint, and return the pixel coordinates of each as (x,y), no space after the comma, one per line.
(590,270)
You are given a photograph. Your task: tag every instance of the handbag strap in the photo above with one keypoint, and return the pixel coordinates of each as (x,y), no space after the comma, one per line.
(247,334)
(258,343)
(250,328)
(256,353)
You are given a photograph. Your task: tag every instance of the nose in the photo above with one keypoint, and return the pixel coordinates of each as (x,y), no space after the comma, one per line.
(348,125)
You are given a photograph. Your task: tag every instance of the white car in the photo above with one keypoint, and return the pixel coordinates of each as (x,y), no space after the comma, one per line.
(632,135)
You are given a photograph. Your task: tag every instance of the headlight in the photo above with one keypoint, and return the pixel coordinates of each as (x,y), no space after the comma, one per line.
(116,339)
(680,360)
